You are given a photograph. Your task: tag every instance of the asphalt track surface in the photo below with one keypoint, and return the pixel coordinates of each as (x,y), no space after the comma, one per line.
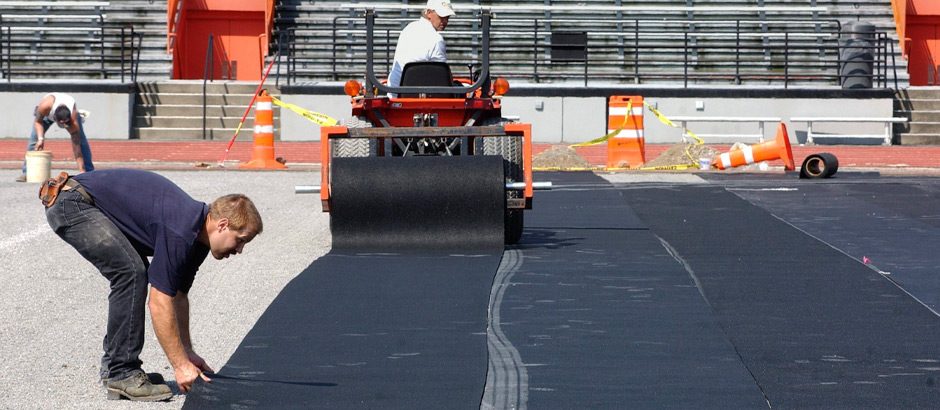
(627,291)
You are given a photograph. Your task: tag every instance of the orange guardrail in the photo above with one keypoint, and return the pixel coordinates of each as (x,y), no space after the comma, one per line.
(899,8)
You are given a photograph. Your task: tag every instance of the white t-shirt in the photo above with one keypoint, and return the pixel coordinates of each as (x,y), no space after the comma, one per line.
(58,100)
(419,41)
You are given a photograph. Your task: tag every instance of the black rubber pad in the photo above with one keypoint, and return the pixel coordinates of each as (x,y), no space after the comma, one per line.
(418,203)
(816,328)
(395,316)
(604,317)
(892,224)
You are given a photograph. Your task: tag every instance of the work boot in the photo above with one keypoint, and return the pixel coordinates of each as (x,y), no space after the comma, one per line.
(155,378)
(137,387)
(21,178)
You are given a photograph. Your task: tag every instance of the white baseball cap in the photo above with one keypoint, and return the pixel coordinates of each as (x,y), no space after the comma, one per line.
(441,7)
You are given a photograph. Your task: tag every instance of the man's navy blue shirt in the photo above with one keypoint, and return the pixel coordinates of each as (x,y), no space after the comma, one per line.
(158,217)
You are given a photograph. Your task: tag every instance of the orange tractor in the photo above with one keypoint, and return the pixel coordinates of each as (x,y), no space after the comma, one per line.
(434,114)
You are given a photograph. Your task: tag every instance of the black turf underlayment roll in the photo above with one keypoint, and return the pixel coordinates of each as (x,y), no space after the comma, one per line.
(417,202)
(818,329)
(604,317)
(395,316)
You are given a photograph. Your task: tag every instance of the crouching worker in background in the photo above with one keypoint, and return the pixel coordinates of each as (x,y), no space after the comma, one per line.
(59,109)
(116,219)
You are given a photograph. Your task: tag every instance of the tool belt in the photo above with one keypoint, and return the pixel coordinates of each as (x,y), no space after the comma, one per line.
(49,190)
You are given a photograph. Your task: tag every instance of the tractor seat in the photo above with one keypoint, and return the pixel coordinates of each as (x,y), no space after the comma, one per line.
(427,74)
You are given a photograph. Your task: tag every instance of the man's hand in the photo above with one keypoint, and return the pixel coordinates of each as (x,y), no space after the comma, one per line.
(40,144)
(199,362)
(186,374)
(170,316)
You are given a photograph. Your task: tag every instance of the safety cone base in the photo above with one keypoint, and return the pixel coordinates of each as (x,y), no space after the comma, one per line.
(262,152)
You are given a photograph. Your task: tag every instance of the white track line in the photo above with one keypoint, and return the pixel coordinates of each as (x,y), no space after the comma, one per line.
(13,241)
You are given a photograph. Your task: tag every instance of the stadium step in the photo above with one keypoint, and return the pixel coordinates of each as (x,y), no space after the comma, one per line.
(919,139)
(921,106)
(172,109)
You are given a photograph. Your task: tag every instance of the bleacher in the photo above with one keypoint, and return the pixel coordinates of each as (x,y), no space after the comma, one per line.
(671,42)
(148,17)
(63,39)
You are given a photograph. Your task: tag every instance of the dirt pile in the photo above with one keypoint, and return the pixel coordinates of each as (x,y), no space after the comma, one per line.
(679,154)
(560,157)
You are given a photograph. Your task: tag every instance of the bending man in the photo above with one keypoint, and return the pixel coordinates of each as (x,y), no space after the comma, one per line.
(59,109)
(116,219)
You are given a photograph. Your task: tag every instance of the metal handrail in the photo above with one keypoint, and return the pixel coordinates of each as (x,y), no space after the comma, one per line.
(208,70)
(112,61)
(792,48)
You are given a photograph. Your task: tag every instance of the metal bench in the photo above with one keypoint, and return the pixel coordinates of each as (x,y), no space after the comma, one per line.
(759,120)
(888,123)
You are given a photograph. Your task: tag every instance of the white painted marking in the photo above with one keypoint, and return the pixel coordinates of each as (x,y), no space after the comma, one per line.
(621,111)
(627,133)
(630,177)
(22,237)
(763,189)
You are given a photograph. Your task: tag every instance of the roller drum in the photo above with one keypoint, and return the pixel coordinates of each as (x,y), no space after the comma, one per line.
(417,202)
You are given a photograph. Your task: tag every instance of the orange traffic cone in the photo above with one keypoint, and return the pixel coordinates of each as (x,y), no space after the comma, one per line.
(262,152)
(779,148)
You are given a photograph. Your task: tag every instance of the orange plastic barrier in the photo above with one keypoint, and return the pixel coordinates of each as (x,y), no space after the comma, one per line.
(779,148)
(262,152)
(628,147)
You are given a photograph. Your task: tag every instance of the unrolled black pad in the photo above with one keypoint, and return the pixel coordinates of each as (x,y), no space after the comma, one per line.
(605,318)
(891,221)
(815,327)
(375,324)
(417,202)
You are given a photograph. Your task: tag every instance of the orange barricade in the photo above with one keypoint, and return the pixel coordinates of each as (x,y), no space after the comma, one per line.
(628,147)
(262,153)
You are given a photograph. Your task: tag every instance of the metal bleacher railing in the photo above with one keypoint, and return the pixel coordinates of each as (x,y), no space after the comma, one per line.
(70,39)
(733,45)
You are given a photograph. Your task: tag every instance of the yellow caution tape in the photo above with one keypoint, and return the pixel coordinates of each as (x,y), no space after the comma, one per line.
(662,118)
(678,167)
(611,134)
(318,118)
(566,168)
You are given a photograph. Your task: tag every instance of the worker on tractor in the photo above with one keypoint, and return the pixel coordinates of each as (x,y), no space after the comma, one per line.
(421,40)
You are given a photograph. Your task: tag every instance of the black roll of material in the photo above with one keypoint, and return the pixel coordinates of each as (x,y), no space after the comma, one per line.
(395,315)
(419,202)
(821,165)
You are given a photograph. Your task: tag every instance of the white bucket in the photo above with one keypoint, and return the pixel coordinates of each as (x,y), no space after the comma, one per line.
(38,164)
(704,164)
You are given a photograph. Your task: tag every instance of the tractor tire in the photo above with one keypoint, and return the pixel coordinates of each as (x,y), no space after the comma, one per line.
(353,147)
(510,148)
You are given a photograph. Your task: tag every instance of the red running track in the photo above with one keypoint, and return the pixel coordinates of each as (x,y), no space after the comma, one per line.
(308,152)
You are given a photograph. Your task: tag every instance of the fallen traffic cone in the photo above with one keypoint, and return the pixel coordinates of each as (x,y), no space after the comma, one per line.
(262,152)
(779,148)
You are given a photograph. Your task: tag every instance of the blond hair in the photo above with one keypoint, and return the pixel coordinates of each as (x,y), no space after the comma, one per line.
(240,212)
